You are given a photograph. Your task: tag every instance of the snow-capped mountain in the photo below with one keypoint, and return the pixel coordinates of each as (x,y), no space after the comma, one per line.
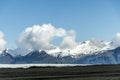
(104,57)
(6,58)
(89,52)
(86,47)
(100,57)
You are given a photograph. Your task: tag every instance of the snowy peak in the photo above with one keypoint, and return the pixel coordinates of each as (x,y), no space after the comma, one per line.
(35,57)
(91,46)
(87,47)
(5,53)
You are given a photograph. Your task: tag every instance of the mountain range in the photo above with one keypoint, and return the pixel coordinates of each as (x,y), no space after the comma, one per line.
(88,52)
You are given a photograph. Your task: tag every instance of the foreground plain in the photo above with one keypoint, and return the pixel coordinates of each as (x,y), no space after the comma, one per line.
(91,72)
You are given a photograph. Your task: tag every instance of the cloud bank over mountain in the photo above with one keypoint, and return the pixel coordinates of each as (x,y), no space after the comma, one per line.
(40,37)
(2,42)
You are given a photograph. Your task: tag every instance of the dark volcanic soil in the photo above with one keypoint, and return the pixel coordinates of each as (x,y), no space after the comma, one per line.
(96,72)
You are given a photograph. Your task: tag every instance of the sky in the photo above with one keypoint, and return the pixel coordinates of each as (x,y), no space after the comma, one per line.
(88,18)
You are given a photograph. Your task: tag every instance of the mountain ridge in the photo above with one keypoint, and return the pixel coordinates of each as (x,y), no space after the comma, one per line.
(37,57)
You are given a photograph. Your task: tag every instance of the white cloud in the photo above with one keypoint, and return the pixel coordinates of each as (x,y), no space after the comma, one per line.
(2,42)
(40,37)
(97,43)
(68,43)
(116,41)
(69,40)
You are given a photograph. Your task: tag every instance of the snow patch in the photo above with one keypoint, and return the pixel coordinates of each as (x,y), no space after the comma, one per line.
(38,65)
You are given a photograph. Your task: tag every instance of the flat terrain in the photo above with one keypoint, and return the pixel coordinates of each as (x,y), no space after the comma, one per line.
(96,72)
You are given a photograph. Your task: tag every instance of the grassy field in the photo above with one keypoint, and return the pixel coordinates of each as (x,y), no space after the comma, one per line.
(96,72)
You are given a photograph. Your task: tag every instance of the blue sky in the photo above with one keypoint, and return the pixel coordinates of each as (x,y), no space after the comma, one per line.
(89,18)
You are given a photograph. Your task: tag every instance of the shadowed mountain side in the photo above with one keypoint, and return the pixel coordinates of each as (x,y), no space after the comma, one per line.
(106,57)
(6,58)
(37,57)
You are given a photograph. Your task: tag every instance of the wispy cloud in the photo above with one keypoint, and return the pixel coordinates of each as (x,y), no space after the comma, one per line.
(2,41)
